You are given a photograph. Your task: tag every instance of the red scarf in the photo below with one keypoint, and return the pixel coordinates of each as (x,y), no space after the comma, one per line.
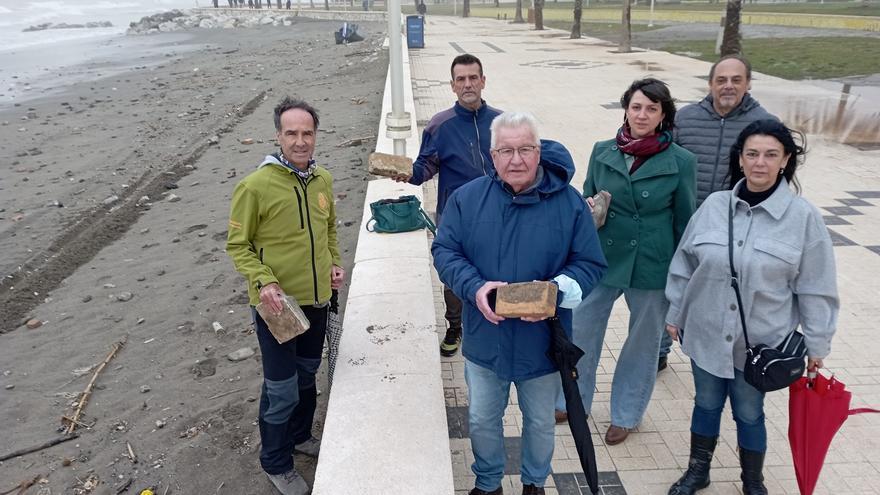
(642,148)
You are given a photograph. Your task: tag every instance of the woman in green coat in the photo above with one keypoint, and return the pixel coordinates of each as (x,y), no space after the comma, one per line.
(652,183)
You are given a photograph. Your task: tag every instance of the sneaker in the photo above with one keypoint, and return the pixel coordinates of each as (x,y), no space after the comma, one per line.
(311,447)
(289,483)
(532,490)
(477,491)
(451,342)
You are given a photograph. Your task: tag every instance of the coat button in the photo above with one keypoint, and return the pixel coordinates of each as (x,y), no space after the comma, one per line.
(611,214)
(733,307)
(739,243)
(636,218)
(749,213)
(729,338)
(610,242)
(633,242)
(614,147)
(645,194)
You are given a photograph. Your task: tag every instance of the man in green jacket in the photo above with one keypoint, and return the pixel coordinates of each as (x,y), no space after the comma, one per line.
(282,238)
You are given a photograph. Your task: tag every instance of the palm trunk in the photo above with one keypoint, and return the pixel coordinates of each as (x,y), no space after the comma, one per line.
(466,8)
(625,30)
(518,18)
(578,11)
(731,43)
(539,15)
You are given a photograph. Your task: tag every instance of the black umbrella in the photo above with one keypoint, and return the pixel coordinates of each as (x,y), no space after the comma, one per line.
(565,356)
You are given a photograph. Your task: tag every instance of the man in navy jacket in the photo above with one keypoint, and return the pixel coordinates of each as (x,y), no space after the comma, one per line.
(455,144)
(521,223)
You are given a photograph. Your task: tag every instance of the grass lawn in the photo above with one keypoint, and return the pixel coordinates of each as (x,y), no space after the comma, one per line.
(829,8)
(799,58)
(604,30)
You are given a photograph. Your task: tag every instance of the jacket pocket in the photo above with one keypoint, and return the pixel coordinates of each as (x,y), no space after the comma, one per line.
(716,237)
(778,249)
(777,265)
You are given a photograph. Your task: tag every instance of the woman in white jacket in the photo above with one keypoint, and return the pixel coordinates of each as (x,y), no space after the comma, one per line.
(785,260)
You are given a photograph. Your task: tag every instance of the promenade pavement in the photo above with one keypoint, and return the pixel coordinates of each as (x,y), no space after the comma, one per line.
(573,88)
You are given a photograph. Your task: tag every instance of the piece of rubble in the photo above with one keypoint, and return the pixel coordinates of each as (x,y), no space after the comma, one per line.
(526,299)
(241,354)
(389,165)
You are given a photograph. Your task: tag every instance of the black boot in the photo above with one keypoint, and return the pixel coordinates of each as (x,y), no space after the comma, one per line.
(697,475)
(752,464)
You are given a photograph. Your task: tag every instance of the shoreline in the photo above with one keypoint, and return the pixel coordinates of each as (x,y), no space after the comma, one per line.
(153,272)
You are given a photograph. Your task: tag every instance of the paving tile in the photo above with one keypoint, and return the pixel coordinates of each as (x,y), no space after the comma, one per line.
(845,188)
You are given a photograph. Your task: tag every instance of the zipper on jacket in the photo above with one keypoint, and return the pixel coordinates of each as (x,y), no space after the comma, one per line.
(305,185)
(300,204)
(261,255)
(479,151)
(717,159)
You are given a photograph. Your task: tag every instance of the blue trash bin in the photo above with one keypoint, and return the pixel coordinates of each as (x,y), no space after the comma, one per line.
(415,31)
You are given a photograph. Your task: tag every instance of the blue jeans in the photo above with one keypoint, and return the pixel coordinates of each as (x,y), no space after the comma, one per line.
(746,402)
(289,394)
(636,369)
(488,396)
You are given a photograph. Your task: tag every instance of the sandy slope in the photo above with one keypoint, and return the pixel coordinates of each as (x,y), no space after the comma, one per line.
(147,132)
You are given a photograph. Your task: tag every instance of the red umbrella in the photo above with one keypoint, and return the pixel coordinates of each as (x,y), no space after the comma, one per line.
(817,408)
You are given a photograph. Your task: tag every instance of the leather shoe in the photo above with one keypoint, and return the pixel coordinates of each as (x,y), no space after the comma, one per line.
(561,416)
(477,491)
(616,435)
(661,363)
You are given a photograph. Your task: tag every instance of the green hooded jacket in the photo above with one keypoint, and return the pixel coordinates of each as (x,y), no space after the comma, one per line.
(282,229)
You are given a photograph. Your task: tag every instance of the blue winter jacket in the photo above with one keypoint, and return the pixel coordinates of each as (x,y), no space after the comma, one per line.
(456,144)
(490,234)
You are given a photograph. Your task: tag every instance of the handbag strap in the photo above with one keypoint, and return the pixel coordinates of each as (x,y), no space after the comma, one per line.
(734,281)
(428,222)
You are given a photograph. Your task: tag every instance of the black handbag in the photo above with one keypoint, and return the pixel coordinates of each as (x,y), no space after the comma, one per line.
(403,214)
(767,368)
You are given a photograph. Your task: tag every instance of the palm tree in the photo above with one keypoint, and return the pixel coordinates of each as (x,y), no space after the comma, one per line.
(518,18)
(466,8)
(731,44)
(625,30)
(576,27)
(539,15)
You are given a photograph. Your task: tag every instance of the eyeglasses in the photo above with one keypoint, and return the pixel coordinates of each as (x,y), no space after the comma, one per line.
(525,152)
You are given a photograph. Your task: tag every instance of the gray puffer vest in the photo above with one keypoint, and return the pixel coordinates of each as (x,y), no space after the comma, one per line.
(700,130)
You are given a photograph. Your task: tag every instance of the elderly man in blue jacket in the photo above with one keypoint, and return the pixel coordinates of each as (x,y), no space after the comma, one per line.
(522,222)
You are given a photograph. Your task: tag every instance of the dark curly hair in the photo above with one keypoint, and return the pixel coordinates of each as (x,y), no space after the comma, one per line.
(289,103)
(787,137)
(656,91)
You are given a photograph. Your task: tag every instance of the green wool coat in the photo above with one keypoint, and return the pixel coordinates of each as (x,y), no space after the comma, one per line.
(649,212)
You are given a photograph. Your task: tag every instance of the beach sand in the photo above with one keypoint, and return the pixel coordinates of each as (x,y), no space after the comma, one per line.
(149,131)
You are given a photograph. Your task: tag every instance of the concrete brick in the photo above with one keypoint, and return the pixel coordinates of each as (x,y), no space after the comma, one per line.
(526,299)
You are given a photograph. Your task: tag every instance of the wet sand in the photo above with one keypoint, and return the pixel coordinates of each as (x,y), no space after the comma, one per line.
(152,272)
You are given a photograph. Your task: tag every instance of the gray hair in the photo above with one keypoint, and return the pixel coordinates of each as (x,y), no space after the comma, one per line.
(513,120)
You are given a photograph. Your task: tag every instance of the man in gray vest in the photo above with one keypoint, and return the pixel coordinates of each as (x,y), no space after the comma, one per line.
(708,129)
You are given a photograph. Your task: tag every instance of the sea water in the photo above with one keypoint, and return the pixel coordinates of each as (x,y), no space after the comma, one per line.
(36,62)
(15,16)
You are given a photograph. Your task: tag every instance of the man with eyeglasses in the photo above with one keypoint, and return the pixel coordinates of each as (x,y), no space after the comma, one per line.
(523,222)
(455,145)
